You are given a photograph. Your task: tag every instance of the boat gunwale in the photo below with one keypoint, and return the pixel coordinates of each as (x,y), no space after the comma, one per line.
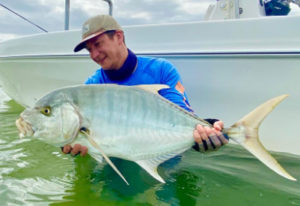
(173,54)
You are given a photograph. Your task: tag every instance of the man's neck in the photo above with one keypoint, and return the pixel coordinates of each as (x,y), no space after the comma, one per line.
(125,70)
(123,56)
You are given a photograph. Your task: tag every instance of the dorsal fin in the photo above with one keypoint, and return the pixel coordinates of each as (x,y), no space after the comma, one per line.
(153,88)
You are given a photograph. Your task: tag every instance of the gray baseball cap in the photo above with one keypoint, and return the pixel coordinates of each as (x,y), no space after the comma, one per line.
(94,27)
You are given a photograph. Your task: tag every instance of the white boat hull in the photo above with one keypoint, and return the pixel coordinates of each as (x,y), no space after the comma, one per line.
(228,68)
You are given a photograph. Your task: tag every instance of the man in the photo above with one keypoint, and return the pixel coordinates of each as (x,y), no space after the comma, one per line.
(103,37)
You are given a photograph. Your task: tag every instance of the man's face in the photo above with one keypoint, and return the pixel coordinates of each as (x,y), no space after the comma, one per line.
(106,51)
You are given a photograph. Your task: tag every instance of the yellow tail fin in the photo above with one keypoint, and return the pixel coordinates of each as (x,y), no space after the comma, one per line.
(245,133)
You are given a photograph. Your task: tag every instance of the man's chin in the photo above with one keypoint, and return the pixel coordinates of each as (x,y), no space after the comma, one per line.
(104,67)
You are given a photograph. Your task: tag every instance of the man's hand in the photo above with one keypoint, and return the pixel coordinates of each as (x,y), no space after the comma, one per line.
(75,150)
(208,139)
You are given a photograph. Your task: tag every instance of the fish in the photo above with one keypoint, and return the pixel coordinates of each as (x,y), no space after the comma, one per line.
(134,123)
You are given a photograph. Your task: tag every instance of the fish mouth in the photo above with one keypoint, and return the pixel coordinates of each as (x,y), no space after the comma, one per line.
(25,129)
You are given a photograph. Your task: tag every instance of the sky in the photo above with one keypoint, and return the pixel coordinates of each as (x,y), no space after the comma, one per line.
(49,14)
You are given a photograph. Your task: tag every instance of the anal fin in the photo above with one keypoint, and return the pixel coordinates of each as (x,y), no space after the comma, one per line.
(150,165)
(151,169)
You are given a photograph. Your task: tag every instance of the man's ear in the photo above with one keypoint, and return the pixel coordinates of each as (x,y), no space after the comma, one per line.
(120,36)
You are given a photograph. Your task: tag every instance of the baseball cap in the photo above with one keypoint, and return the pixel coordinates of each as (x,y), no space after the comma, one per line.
(94,27)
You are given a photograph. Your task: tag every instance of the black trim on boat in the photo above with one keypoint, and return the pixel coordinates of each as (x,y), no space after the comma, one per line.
(168,54)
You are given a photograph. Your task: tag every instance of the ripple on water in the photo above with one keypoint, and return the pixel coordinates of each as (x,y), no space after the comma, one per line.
(34,191)
(31,172)
(295,201)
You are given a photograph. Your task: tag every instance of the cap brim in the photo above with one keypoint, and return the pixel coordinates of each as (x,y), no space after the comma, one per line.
(81,45)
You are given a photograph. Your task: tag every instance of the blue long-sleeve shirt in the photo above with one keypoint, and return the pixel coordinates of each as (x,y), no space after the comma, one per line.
(150,71)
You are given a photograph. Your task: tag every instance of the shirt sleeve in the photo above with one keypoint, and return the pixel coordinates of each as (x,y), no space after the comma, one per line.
(95,78)
(176,94)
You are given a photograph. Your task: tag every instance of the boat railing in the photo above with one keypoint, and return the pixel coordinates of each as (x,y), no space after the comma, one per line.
(67,11)
(297,2)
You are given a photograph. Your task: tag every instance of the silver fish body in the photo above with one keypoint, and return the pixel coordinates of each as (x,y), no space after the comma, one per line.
(132,123)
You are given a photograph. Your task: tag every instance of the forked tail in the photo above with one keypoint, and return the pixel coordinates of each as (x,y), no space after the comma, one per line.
(245,132)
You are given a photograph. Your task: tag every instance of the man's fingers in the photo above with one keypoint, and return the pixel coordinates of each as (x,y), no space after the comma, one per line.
(208,139)
(215,141)
(76,149)
(218,126)
(199,147)
(83,150)
(201,133)
(67,149)
(223,139)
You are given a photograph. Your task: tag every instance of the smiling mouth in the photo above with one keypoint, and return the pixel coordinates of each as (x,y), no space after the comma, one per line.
(25,129)
(101,61)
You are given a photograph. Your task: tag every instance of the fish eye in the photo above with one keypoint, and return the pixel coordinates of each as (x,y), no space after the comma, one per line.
(84,130)
(46,111)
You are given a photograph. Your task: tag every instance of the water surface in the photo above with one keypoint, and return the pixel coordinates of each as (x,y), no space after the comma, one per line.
(34,173)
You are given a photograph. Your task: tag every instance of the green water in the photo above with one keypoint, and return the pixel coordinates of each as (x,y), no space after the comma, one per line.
(34,173)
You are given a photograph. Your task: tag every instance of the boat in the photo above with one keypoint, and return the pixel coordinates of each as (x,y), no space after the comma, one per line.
(234,60)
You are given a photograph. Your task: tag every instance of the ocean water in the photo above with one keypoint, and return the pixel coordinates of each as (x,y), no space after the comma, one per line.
(34,173)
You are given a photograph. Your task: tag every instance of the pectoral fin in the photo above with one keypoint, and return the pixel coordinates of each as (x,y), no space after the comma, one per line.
(103,154)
